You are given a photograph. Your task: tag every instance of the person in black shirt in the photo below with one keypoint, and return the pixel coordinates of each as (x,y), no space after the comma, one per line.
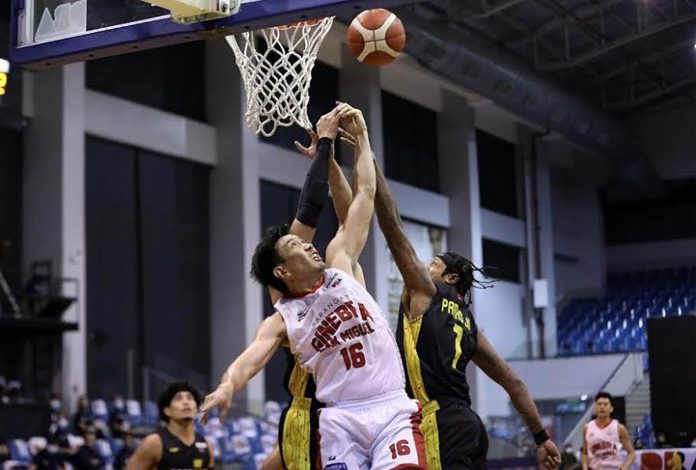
(178,445)
(118,418)
(46,460)
(126,451)
(88,456)
(437,336)
(83,418)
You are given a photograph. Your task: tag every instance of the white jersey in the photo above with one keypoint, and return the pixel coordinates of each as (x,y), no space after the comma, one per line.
(339,334)
(603,445)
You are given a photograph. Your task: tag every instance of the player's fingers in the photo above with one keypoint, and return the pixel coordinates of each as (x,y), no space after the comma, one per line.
(348,142)
(224,409)
(343,133)
(301,148)
(204,417)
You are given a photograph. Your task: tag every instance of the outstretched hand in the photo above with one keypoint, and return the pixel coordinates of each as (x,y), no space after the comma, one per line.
(327,126)
(352,120)
(221,399)
(548,455)
(310,151)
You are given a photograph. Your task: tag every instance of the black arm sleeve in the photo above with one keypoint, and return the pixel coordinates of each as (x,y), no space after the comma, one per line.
(315,191)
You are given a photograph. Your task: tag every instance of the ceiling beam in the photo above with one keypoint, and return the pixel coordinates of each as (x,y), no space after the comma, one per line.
(621,42)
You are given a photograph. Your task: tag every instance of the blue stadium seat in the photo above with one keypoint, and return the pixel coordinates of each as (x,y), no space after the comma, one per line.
(617,322)
(236,449)
(150,413)
(135,415)
(105,450)
(19,451)
(99,410)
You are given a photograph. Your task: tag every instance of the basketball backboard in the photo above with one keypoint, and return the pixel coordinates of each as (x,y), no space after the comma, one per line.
(46,33)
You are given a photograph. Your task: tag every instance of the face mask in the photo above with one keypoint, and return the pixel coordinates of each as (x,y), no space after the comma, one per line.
(55,405)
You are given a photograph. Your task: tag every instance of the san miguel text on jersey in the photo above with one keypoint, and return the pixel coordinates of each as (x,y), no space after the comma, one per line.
(338,333)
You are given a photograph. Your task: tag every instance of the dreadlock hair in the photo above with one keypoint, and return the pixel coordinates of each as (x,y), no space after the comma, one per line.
(466,272)
(266,258)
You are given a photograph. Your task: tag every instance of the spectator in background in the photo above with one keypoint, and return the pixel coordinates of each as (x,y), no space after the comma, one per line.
(88,456)
(638,445)
(56,404)
(568,458)
(4,452)
(83,418)
(58,436)
(118,418)
(44,459)
(662,442)
(126,451)
(693,442)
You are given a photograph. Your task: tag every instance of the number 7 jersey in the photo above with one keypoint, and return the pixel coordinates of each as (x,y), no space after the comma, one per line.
(339,334)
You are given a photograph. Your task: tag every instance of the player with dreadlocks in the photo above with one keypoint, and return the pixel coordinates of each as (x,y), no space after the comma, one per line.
(437,336)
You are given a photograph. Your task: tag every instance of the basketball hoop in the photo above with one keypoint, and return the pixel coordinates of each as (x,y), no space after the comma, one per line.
(276,80)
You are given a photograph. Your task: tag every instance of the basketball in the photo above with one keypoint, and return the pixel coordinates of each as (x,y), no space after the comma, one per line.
(376,37)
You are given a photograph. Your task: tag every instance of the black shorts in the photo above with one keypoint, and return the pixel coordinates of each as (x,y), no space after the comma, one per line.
(461,442)
(297,434)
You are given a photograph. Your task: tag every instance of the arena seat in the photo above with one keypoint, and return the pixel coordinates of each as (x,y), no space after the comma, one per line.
(106,452)
(150,413)
(19,451)
(617,322)
(237,449)
(135,415)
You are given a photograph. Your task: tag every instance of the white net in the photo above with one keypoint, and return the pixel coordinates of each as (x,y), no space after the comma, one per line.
(277,78)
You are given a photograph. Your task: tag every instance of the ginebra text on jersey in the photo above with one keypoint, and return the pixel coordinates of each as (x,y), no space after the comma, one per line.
(325,333)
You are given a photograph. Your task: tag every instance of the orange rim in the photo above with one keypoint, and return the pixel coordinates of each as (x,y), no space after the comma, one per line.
(301,24)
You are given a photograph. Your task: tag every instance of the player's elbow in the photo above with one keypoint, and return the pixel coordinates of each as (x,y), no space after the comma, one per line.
(515,387)
(367,190)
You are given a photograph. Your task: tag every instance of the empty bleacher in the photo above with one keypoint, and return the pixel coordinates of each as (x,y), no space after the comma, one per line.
(617,321)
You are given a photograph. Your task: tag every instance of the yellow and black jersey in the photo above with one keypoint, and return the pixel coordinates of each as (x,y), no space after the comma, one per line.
(297,431)
(436,348)
(177,455)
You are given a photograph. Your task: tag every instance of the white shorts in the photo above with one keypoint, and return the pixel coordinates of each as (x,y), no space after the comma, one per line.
(379,433)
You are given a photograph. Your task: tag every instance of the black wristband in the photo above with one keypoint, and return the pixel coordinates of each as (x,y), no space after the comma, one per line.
(315,190)
(541,437)
(324,140)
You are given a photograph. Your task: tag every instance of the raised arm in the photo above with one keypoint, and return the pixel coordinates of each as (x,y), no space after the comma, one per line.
(269,337)
(417,281)
(345,249)
(340,188)
(315,189)
(500,371)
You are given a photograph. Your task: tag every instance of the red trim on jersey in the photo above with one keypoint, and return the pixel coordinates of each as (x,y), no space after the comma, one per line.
(304,294)
(419,441)
(319,465)
(605,426)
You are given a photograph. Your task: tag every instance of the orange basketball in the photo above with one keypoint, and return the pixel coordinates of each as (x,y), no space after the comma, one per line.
(376,37)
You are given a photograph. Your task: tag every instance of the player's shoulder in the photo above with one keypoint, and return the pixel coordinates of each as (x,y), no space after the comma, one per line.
(152,443)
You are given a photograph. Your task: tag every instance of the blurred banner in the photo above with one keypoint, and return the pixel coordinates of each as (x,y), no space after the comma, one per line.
(665,459)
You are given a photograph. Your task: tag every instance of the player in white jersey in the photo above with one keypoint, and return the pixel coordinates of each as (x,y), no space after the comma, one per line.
(603,439)
(338,332)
